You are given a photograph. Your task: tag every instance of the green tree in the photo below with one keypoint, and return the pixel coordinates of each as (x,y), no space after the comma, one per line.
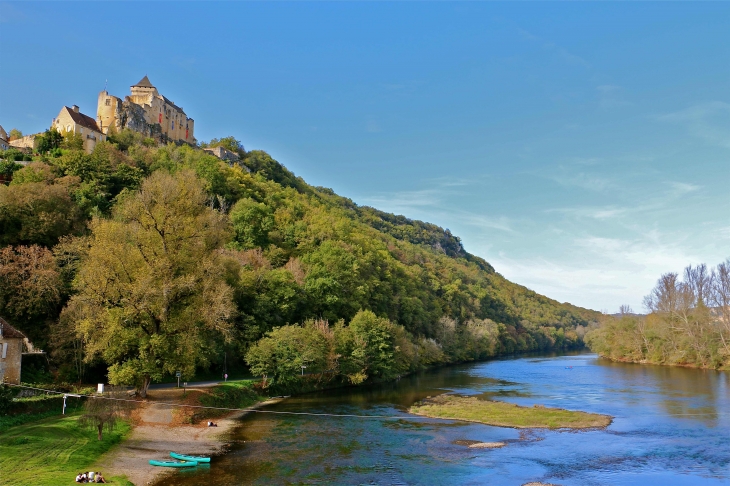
(7,168)
(15,134)
(229,143)
(252,222)
(151,292)
(34,172)
(73,141)
(37,213)
(50,140)
(367,347)
(281,355)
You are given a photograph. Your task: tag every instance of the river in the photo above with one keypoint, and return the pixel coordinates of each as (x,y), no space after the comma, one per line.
(671,426)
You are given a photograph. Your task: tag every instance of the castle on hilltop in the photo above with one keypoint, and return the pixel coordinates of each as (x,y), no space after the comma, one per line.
(145,111)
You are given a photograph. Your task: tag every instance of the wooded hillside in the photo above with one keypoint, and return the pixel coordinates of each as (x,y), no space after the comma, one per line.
(146,260)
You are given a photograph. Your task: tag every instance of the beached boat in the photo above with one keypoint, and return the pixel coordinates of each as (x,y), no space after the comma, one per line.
(184,457)
(173,463)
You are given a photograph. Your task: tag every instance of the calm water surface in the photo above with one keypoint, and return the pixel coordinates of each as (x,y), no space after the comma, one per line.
(672,426)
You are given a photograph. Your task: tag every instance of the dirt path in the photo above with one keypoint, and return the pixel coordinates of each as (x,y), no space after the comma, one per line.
(154,436)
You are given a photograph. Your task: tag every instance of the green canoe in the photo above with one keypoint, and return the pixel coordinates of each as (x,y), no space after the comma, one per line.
(173,463)
(183,457)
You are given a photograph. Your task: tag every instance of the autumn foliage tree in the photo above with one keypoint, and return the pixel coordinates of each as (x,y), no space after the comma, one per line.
(151,295)
(30,288)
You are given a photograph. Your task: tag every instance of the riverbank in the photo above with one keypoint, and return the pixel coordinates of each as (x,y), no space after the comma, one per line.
(503,414)
(159,429)
(52,451)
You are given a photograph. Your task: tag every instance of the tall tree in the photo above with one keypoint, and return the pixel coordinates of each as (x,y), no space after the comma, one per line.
(151,292)
(30,289)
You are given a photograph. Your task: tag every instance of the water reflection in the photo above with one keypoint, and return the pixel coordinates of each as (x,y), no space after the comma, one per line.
(671,427)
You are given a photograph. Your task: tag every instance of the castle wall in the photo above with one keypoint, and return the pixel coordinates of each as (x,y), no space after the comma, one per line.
(144,108)
(107,112)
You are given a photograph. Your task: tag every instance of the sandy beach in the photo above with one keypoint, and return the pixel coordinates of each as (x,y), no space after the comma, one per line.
(159,429)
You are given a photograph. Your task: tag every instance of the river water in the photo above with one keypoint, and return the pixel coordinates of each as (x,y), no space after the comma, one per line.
(671,426)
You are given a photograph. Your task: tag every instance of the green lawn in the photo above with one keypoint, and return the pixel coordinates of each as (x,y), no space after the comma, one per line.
(53,451)
(502,414)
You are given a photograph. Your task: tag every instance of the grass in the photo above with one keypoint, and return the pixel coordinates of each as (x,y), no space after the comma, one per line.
(53,451)
(502,414)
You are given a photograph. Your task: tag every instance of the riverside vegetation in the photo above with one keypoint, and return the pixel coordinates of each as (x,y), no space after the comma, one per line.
(688,324)
(138,260)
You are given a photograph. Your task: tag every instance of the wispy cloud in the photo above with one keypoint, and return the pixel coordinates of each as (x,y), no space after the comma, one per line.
(583,180)
(601,273)
(405,201)
(708,121)
(683,187)
(600,213)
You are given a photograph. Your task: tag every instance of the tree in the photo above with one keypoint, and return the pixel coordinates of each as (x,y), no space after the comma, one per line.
(14,134)
(252,222)
(50,140)
(37,213)
(151,292)
(30,289)
(285,350)
(367,347)
(73,141)
(7,168)
(229,143)
(103,412)
(720,299)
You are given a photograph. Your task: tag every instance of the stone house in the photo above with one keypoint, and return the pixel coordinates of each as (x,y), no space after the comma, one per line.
(11,352)
(223,154)
(145,111)
(71,120)
(4,143)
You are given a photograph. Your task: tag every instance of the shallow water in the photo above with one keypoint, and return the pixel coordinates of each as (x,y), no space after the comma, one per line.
(671,426)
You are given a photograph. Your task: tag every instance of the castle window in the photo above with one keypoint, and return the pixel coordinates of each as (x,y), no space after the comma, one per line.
(108,102)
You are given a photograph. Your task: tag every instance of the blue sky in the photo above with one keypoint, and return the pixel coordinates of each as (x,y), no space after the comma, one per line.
(581,148)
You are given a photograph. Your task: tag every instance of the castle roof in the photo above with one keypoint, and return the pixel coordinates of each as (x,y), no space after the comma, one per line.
(83,120)
(8,331)
(143,83)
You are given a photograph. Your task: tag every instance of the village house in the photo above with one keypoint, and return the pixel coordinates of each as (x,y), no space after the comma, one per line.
(11,352)
(4,143)
(70,120)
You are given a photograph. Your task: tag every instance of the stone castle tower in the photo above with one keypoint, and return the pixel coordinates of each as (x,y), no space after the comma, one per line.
(145,111)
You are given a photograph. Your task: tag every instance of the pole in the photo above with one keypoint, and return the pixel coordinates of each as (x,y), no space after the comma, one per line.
(63,412)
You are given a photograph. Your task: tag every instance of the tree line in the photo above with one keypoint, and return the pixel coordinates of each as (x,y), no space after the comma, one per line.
(688,322)
(140,260)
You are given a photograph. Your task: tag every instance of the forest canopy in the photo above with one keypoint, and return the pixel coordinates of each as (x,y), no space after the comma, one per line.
(153,259)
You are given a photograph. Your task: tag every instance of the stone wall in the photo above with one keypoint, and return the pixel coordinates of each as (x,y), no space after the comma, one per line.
(27,142)
(11,354)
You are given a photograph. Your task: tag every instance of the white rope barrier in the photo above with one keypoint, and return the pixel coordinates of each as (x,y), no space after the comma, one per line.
(312,414)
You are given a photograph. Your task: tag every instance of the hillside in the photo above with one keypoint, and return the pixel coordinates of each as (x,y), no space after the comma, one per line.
(250,247)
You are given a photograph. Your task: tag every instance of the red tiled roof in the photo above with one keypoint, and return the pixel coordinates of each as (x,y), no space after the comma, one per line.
(8,331)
